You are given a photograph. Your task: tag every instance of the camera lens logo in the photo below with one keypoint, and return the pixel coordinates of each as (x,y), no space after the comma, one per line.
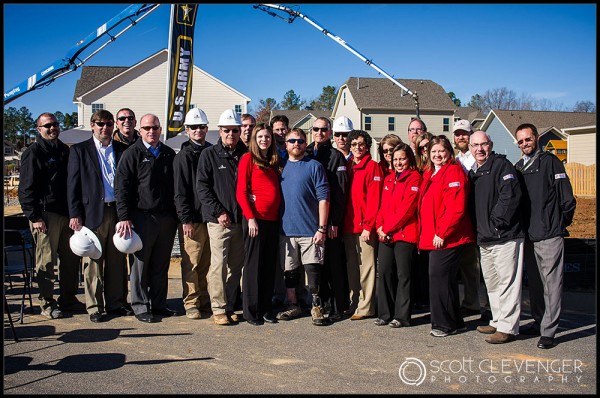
(406,372)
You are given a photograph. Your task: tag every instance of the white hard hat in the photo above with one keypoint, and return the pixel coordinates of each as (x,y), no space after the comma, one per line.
(128,244)
(85,243)
(342,125)
(195,116)
(229,118)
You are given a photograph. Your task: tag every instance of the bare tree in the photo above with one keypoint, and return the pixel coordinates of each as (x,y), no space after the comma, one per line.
(584,106)
(263,113)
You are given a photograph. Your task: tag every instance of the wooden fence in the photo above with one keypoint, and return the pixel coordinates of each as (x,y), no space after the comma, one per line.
(583,178)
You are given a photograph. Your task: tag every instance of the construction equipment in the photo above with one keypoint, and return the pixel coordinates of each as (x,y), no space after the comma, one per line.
(294,14)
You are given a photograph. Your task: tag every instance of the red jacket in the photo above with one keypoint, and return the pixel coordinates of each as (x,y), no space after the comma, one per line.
(386,170)
(398,211)
(443,208)
(366,180)
(264,184)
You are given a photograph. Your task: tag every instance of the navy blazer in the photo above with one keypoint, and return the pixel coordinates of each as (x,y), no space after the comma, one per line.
(85,189)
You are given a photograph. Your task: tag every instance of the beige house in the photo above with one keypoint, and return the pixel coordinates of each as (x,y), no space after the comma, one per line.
(143,86)
(377,106)
(581,144)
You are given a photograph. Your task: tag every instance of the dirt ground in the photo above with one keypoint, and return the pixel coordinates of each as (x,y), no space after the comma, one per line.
(583,226)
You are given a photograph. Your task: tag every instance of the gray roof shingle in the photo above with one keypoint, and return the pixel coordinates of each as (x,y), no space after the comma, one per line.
(544,120)
(93,76)
(296,116)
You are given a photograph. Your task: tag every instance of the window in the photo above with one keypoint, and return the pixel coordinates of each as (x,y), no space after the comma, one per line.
(446,124)
(192,106)
(367,123)
(96,107)
(238,109)
(344,96)
(391,123)
(8,150)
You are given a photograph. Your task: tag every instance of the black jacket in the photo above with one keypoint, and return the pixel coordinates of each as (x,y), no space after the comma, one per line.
(143,182)
(548,202)
(335,165)
(43,179)
(85,191)
(494,201)
(216,180)
(189,207)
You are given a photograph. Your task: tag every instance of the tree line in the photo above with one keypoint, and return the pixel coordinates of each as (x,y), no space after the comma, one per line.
(20,128)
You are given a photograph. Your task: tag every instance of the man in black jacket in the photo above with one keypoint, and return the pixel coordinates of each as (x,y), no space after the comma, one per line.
(43,198)
(195,256)
(334,278)
(494,202)
(549,207)
(216,185)
(145,200)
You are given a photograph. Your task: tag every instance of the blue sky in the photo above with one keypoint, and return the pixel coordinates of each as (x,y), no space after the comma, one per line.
(543,50)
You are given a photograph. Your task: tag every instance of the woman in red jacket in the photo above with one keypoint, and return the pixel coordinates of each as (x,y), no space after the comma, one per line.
(397,229)
(384,149)
(258,193)
(360,237)
(444,226)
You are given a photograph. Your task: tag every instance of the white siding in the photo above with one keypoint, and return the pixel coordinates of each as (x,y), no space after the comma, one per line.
(349,110)
(582,148)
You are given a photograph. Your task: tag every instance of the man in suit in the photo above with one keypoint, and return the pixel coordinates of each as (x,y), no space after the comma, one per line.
(91,198)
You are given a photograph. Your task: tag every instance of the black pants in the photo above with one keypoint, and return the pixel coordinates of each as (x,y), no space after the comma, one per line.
(393,290)
(419,286)
(443,290)
(262,259)
(334,278)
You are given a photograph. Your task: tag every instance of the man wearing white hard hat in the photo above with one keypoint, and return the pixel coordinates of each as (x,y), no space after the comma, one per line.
(342,126)
(216,188)
(90,194)
(195,256)
(144,191)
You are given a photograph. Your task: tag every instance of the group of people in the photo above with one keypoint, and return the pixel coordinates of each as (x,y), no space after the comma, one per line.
(298,226)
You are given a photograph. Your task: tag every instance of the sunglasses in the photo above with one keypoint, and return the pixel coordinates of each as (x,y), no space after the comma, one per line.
(389,150)
(300,141)
(520,142)
(360,144)
(197,126)
(423,148)
(345,135)
(233,131)
(102,124)
(48,125)
(322,129)
(148,128)
(123,118)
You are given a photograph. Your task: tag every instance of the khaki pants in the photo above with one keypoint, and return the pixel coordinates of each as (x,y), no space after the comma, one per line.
(226,263)
(360,261)
(195,263)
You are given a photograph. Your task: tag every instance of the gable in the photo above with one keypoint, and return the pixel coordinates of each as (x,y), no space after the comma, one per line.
(542,120)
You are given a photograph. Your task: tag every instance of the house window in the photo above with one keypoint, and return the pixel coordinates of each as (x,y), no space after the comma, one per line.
(367,123)
(391,123)
(8,150)
(97,107)
(446,124)
(344,96)
(192,106)
(238,109)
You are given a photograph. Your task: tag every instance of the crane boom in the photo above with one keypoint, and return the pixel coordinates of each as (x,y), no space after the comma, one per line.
(69,63)
(293,14)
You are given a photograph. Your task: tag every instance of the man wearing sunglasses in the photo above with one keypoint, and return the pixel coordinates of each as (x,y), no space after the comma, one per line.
(333,288)
(342,126)
(43,199)
(91,197)
(125,131)
(144,191)
(216,186)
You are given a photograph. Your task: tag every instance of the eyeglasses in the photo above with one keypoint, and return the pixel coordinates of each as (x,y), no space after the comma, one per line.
(483,144)
(300,141)
(345,135)
(321,129)
(414,130)
(360,144)
(148,128)
(102,124)
(48,125)
(233,131)
(528,139)
(123,118)
(197,126)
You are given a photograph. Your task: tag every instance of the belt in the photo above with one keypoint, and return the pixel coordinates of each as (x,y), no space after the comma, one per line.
(110,204)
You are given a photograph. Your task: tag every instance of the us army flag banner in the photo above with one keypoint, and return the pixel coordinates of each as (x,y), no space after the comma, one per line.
(181,65)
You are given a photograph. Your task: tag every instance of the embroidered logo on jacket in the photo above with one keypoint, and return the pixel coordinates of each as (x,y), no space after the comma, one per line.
(454,184)
(560,175)
(416,189)
(222,167)
(376,178)
(508,177)
(341,168)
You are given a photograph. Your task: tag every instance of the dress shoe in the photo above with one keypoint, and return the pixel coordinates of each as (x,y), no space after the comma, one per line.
(500,338)
(123,311)
(74,306)
(545,343)
(145,317)
(164,312)
(530,330)
(96,317)
(379,322)
(255,322)
(486,329)
(269,318)
(335,317)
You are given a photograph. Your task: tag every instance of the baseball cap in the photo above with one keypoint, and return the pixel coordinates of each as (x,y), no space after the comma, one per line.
(462,125)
